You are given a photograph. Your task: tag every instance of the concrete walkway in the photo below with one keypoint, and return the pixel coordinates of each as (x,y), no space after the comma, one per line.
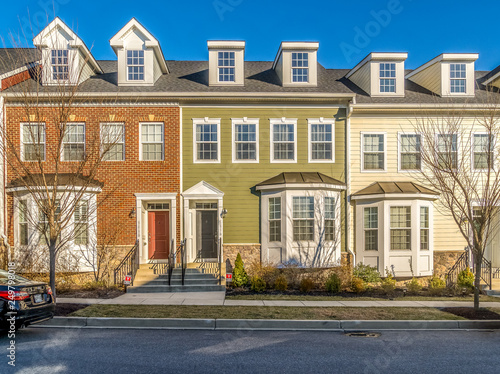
(218,298)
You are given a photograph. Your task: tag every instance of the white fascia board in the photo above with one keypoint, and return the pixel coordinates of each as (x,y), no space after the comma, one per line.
(301,186)
(295,45)
(19,70)
(379,56)
(396,196)
(226,44)
(466,57)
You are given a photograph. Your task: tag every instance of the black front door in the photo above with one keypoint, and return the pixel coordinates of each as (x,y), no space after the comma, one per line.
(206,234)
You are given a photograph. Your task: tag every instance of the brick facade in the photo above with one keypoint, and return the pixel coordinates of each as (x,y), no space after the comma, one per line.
(121,179)
(15,79)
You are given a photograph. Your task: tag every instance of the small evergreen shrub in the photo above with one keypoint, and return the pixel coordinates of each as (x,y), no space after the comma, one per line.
(358,285)
(414,286)
(388,284)
(436,285)
(281,284)
(306,285)
(333,283)
(240,277)
(257,284)
(367,273)
(465,279)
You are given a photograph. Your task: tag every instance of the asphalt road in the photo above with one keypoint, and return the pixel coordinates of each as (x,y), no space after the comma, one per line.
(55,350)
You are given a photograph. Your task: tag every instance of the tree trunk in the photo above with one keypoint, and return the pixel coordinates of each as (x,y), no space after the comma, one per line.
(477,281)
(52,267)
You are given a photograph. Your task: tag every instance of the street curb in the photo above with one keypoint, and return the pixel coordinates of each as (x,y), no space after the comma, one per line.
(266,324)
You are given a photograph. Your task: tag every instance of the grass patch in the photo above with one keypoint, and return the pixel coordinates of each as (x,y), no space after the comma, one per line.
(262,312)
(482,298)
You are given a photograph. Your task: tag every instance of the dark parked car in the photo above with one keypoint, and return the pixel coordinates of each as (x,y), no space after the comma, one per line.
(27,301)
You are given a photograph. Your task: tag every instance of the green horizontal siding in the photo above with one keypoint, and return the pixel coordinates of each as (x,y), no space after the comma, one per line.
(237,180)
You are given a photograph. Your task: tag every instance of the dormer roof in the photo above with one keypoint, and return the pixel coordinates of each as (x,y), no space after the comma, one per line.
(134,26)
(46,37)
(378,56)
(312,46)
(456,57)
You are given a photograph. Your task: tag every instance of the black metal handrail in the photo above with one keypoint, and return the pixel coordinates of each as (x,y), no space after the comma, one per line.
(486,273)
(461,264)
(171,261)
(219,261)
(183,259)
(128,266)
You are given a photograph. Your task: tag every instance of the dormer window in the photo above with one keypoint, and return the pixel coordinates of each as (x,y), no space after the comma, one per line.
(457,78)
(226,63)
(387,77)
(60,65)
(300,67)
(135,65)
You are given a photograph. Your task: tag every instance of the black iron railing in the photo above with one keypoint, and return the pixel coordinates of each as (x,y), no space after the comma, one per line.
(219,261)
(465,261)
(171,261)
(182,248)
(486,273)
(496,273)
(128,266)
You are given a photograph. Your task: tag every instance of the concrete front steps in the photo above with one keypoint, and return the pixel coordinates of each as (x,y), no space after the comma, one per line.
(495,288)
(196,280)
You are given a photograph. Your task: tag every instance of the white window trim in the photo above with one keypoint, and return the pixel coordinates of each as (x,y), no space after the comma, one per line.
(21,132)
(395,78)
(308,68)
(399,153)
(336,212)
(429,229)
(363,133)
(316,223)
(459,154)
(124,137)
(222,67)
(70,58)
(84,141)
(316,121)
(277,121)
(204,121)
(127,65)
(412,229)
(280,219)
(162,140)
(450,79)
(363,238)
(472,151)
(244,121)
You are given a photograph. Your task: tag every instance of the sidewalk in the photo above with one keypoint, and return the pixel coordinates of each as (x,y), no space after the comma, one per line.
(218,298)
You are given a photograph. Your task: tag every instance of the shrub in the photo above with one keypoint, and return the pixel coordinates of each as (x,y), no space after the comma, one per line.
(306,285)
(436,285)
(267,272)
(240,277)
(465,279)
(414,286)
(257,284)
(388,284)
(281,284)
(367,273)
(333,283)
(358,285)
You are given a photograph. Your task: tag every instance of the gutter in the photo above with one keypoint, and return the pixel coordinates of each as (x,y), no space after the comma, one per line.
(349,111)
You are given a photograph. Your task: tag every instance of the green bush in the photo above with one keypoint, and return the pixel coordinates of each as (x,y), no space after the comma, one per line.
(257,284)
(414,286)
(388,284)
(368,273)
(358,285)
(465,279)
(281,284)
(333,283)
(436,285)
(240,277)
(306,285)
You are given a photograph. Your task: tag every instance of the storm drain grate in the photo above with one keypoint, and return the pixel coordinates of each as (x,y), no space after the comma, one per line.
(363,334)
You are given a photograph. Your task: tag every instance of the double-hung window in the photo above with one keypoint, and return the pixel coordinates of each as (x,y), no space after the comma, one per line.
(33,141)
(303,218)
(113,141)
(447,150)
(370,224)
(152,141)
(330,219)
(80,217)
(60,64)
(457,78)
(483,151)
(245,147)
(275,219)
(387,77)
(424,228)
(74,142)
(135,65)
(321,137)
(207,140)
(300,67)
(226,66)
(283,136)
(22,209)
(373,152)
(400,228)
(410,157)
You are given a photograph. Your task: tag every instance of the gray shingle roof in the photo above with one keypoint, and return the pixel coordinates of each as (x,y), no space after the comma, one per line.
(15,58)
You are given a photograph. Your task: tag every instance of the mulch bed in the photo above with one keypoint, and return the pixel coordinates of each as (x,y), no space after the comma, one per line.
(63,310)
(469,313)
(100,293)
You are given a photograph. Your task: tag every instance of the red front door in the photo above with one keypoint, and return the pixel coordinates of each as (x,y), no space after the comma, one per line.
(158,239)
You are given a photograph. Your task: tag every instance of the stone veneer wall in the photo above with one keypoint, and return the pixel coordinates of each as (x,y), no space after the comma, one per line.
(346,259)
(249,253)
(444,260)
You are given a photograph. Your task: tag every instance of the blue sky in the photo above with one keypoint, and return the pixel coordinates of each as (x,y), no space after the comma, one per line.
(347,30)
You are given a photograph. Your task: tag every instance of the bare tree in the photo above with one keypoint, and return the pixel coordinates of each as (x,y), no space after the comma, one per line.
(460,160)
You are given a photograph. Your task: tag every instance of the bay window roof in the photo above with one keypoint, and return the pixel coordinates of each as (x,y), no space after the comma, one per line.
(395,189)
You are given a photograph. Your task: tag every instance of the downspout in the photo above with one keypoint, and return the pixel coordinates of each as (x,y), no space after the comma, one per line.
(349,111)
(3,232)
